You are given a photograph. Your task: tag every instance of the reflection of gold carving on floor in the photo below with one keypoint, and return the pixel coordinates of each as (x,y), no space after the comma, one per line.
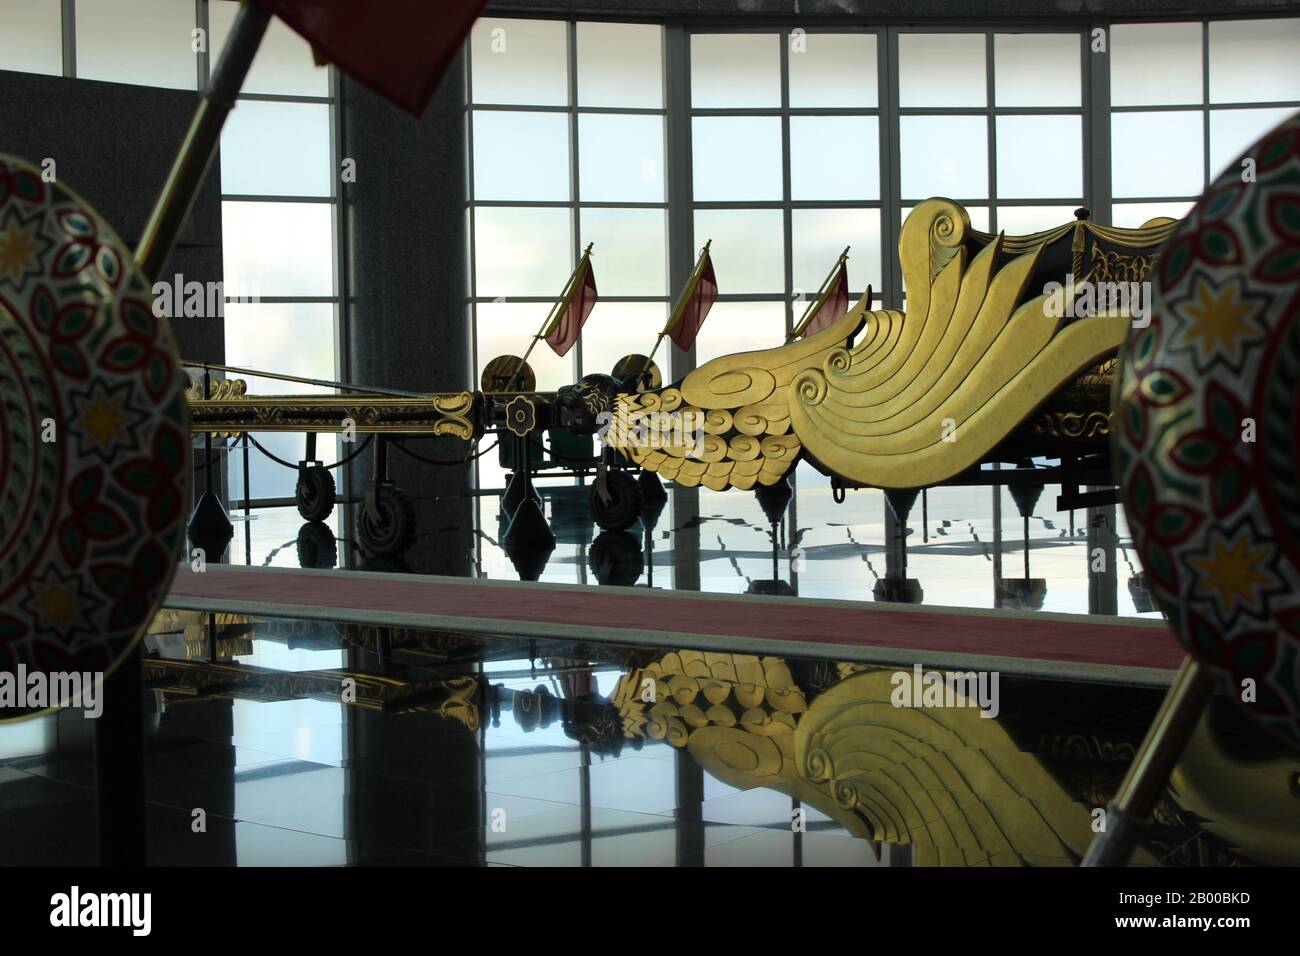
(184,634)
(917,398)
(1252,806)
(688,690)
(454,699)
(949,782)
(955,786)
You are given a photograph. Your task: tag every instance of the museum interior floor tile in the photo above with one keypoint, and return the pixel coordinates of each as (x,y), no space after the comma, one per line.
(460,749)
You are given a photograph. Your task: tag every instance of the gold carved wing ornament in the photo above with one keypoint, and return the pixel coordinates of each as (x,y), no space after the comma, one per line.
(919,398)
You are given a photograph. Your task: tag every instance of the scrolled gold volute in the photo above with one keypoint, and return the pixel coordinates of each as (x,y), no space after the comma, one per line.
(809,387)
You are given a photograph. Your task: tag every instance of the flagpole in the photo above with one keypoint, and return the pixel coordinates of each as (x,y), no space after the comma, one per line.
(673,316)
(822,295)
(200,145)
(550,316)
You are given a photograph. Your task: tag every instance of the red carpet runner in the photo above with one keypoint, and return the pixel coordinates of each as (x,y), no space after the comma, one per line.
(642,616)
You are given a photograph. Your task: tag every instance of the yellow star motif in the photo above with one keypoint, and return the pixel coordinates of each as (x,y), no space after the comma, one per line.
(103,421)
(55,603)
(1233,570)
(18,250)
(1218,318)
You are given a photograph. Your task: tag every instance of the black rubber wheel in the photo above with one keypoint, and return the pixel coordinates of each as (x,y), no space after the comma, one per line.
(624,505)
(395,526)
(317,546)
(315,493)
(615,558)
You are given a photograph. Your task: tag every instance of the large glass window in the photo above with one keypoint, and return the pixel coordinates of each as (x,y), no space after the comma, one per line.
(1186,100)
(568,138)
(785,172)
(278,179)
(32,38)
(278,184)
(999,128)
(567,126)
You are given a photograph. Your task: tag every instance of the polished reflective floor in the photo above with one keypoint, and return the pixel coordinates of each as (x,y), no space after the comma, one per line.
(311,742)
(281,742)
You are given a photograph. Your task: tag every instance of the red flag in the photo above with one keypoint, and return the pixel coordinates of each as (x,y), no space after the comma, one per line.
(835,306)
(697,307)
(398,48)
(568,324)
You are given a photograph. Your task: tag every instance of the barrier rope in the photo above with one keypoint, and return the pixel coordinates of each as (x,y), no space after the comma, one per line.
(294,465)
(444,462)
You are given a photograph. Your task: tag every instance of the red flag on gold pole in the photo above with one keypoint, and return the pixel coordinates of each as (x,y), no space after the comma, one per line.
(398,48)
(574,308)
(831,302)
(834,306)
(693,307)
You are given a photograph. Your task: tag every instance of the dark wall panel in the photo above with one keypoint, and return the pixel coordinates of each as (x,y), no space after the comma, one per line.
(406,287)
(114,144)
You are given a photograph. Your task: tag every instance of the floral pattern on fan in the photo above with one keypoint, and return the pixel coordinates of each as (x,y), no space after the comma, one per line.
(1208,444)
(94,436)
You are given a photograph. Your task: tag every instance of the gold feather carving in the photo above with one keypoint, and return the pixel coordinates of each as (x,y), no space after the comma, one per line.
(914,400)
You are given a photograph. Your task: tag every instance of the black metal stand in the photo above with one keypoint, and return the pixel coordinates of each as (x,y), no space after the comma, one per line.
(119,767)
(209,520)
(528,527)
(652,488)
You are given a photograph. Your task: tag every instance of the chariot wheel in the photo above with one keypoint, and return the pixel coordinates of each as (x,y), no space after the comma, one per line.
(624,505)
(315,493)
(393,526)
(317,546)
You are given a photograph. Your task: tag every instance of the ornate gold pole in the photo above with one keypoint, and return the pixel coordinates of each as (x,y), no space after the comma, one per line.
(192,162)
(1128,813)
(822,295)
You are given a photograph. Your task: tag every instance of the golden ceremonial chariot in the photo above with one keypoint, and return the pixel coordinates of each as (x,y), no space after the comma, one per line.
(1004,355)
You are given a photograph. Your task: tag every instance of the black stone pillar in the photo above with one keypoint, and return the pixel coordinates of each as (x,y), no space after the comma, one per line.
(405,319)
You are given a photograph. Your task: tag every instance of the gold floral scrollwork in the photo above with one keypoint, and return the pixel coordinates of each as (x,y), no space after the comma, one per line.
(1094,424)
(521,416)
(219,390)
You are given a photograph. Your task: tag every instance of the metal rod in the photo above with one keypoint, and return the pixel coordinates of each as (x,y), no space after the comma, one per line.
(200,145)
(207,439)
(649,360)
(119,766)
(323,382)
(1026,518)
(1147,776)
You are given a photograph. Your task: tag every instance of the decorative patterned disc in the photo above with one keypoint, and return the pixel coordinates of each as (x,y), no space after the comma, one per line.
(1209,444)
(626,367)
(502,370)
(94,437)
